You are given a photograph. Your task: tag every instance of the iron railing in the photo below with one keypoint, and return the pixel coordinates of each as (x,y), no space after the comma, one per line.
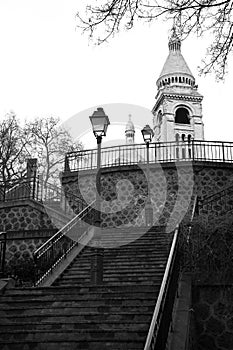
(55,250)
(35,188)
(159,152)
(222,200)
(162,316)
(157,335)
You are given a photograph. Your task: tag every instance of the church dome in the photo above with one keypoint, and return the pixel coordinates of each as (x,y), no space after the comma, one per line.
(175,69)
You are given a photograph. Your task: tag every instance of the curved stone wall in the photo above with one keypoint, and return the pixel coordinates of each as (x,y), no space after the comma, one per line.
(124,191)
(23,215)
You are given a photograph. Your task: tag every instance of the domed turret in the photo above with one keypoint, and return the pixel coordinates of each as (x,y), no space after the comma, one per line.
(178,108)
(175,70)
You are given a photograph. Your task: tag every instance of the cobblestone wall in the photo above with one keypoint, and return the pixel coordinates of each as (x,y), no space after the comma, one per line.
(213,313)
(21,244)
(124,192)
(23,216)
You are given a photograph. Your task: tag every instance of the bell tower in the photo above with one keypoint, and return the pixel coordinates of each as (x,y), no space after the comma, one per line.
(129,131)
(178,108)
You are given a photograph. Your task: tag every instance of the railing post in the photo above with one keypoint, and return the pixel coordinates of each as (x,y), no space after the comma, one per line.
(223,152)
(35,269)
(91,159)
(193,148)
(34,187)
(67,166)
(4,191)
(3,254)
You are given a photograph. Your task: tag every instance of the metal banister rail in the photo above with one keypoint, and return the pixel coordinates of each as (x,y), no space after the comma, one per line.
(157,335)
(155,323)
(220,197)
(56,248)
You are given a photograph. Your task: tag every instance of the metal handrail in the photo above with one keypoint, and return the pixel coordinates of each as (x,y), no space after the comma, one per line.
(159,152)
(48,249)
(153,330)
(159,307)
(220,197)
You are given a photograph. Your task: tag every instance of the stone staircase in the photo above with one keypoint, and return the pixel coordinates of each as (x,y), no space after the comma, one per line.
(73,314)
(142,260)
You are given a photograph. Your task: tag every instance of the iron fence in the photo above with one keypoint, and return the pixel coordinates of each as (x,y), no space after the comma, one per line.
(158,153)
(56,248)
(48,194)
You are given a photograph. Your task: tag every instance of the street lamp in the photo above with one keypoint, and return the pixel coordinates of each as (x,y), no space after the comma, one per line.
(148,134)
(100,122)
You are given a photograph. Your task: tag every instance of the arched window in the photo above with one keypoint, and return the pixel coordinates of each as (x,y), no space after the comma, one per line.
(179,79)
(177,137)
(183,137)
(189,138)
(176,79)
(182,116)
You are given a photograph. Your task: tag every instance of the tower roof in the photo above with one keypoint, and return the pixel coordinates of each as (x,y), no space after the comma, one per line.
(175,62)
(129,125)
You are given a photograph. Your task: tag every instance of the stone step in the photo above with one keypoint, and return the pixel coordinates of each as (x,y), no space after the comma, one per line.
(120,272)
(91,316)
(74,290)
(112,283)
(72,335)
(81,296)
(58,299)
(75,325)
(97,344)
(124,258)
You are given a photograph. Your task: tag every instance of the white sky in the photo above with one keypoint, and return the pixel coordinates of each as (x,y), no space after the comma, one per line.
(48,68)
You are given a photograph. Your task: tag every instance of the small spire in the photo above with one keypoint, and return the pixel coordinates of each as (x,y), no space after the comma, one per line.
(129,131)
(129,125)
(174,43)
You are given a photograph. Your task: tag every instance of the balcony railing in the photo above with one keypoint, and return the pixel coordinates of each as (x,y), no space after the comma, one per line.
(213,151)
(48,194)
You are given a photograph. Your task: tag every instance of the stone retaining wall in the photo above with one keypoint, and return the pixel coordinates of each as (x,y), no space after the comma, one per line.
(213,314)
(23,215)
(124,190)
(21,244)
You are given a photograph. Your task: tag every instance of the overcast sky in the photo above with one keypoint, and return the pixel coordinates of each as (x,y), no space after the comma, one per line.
(47,67)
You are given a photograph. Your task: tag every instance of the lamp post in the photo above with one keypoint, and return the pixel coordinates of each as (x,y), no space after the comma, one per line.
(148,134)
(100,122)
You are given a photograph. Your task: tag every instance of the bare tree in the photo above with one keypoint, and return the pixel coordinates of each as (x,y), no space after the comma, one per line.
(13,148)
(214,17)
(49,143)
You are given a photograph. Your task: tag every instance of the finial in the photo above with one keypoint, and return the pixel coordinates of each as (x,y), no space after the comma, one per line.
(174,43)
